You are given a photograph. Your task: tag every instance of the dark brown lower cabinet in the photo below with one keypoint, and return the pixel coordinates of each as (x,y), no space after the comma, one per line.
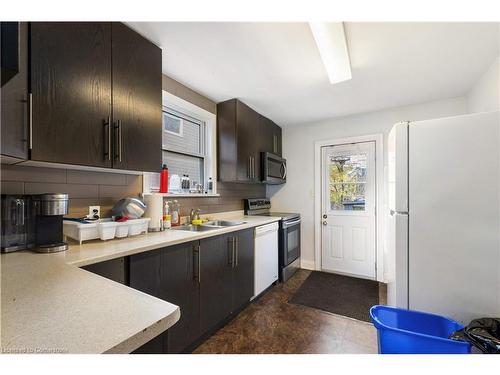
(145,274)
(243,270)
(208,279)
(215,277)
(226,276)
(158,345)
(169,274)
(180,287)
(114,269)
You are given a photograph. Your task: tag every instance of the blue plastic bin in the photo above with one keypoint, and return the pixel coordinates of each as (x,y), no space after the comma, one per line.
(403,331)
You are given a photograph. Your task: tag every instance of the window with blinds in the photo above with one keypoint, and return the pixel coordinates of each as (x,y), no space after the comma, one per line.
(184,145)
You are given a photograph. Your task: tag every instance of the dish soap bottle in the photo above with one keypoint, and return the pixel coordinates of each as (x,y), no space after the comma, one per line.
(167,218)
(175,212)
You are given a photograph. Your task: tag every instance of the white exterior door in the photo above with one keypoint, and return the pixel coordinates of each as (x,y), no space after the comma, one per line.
(348,209)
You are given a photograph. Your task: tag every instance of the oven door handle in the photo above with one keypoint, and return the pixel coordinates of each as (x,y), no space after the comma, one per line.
(288,224)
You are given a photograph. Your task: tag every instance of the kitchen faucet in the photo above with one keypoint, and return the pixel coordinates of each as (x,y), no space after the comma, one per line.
(194,215)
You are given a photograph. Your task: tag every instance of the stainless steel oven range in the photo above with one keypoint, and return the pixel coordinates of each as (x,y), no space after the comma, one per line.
(289,234)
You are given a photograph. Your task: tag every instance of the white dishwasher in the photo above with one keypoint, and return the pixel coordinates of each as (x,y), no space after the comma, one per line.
(266,257)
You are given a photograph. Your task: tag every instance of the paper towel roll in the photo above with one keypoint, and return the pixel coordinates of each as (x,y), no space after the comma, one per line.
(154,211)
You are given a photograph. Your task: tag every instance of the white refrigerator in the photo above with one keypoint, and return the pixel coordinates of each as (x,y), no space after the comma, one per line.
(444,224)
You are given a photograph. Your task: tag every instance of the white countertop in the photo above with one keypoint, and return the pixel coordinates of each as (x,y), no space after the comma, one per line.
(50,305)
(99,251)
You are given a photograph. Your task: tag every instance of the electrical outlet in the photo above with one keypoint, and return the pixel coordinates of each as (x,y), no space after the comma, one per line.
(94,211)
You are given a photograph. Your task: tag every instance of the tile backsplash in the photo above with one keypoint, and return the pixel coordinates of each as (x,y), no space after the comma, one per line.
(231,198)
(85,188)
(89,188)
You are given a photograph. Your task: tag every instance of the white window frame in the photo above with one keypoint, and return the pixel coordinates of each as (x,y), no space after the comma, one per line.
(210,136)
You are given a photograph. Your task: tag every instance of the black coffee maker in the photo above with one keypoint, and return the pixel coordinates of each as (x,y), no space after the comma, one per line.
(50,209)
(33,222)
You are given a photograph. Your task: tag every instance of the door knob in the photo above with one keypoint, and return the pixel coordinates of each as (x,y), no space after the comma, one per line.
(325,222)
(324,216)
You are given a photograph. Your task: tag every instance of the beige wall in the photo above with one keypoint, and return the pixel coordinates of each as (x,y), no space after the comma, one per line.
(178,89)
(484,96)
(85,188)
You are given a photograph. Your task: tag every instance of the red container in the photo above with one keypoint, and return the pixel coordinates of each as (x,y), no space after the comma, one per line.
(164,179)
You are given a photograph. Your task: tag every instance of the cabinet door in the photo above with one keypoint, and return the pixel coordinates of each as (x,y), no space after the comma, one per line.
(14,98)
(145,274)
(266,135)
(114,269)
(247,129)
(276,140)
(71,92)
(243,271)
(270,139)
(181,288)
(215,278)
(137,101)
(226,141)
(155,346)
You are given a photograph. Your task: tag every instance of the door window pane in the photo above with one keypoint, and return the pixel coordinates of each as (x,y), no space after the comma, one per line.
(347,174)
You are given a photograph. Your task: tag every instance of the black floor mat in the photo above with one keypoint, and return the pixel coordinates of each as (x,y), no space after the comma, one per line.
(342,295)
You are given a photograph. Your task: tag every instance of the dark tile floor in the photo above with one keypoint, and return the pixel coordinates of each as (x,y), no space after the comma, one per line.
(272,325)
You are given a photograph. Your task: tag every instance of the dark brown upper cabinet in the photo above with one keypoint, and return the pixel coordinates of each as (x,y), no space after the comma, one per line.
(14,96)
(242,135)
(96,96)
(137,115)
(271,136)
(71,92)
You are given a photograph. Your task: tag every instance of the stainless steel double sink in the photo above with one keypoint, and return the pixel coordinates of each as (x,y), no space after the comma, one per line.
(209,225)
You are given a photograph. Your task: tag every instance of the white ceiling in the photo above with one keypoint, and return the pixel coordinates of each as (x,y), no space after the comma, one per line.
(276,68)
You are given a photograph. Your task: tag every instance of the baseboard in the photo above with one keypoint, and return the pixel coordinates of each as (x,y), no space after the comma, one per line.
(307,264)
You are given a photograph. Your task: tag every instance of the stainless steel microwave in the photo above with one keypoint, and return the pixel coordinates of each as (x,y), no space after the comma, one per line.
(273,168)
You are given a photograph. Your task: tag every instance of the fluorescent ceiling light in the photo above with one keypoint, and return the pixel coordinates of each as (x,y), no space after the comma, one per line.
(332,45)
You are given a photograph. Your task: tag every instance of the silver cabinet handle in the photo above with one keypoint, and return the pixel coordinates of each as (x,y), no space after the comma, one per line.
(118,127)
(107,152)
(197,275)
(31,121)
(234,250)
(120,139)
(236,241)
(230,251)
